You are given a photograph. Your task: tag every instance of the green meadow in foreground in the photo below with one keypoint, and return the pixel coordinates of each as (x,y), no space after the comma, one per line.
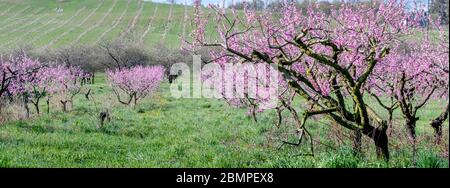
(163,131)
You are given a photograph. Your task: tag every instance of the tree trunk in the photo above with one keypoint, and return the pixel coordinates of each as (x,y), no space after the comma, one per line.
(380,139)
(25,105)
(36,106)
(134,98)
(71,102)
(411,129)
(357,143)
(87,94)
(437,125)
(27,110)
(64,105)
(48,105)
(390,123)
(410,123)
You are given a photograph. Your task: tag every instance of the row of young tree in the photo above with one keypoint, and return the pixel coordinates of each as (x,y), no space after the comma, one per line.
(336,61)
(29,80)
(64,73)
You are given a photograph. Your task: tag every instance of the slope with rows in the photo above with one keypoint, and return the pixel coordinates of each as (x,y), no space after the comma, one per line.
(40,25)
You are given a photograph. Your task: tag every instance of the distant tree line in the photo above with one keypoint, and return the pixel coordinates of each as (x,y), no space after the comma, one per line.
(440,8)
(254,5)
(275,5)
(436,7)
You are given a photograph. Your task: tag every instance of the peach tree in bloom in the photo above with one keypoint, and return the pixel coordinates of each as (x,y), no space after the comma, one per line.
(31,80)
(132,84)
(415,72)
(15,72)
(62,81)
(254,86)
(327,59)
(441,64)
(410,79)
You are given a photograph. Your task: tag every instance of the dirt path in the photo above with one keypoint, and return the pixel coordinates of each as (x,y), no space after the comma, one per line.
(37,37)
(134,21)
(150,24)
(23,25)
(167,26)
(33,30)
(7,10)
(13,16)
(73,28)
(98,23)
(17,21)
(115,24)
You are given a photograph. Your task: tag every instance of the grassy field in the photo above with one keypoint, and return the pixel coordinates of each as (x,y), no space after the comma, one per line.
(37,23)
(163,131)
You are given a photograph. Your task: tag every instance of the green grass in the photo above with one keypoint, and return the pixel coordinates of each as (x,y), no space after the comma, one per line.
(162,131)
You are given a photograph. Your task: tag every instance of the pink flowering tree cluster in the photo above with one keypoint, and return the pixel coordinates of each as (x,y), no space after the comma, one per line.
(441,66)
(31,80)
(246,84)
(408,78)
(135,83)
(415,72)
(64,82)
(255,86)
(327,59)
(15,72)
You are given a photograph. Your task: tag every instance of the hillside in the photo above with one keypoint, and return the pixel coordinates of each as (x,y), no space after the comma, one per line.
(38,23)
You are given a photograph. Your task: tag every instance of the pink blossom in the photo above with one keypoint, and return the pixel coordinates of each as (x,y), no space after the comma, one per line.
(136,82)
